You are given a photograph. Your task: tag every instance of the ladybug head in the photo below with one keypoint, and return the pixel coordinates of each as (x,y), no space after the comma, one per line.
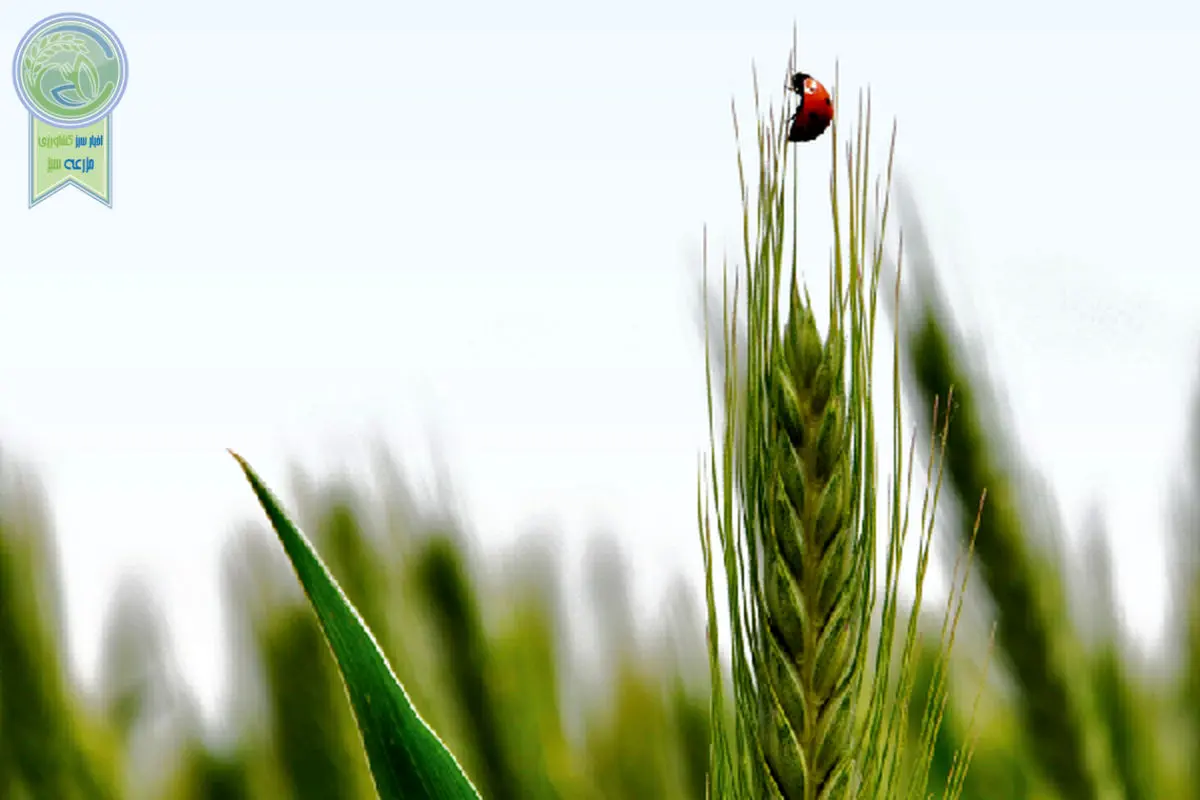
(797,84)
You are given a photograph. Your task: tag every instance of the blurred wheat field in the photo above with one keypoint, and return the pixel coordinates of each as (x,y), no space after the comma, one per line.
(1070,710)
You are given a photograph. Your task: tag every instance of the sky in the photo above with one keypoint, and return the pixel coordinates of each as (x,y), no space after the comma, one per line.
(474,230)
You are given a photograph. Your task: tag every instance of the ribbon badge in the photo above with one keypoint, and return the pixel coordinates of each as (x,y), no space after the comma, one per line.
(70,72)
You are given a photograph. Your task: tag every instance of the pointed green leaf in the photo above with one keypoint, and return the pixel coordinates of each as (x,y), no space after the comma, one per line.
(408,761)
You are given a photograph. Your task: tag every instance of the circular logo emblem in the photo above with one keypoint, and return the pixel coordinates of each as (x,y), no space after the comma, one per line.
(70,70)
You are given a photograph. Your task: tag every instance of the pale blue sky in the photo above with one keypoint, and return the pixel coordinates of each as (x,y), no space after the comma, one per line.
(480,223)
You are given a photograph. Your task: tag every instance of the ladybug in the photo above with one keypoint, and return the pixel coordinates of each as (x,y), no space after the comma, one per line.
(815,111)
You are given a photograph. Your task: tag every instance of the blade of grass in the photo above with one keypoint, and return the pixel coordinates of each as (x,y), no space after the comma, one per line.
(406,757)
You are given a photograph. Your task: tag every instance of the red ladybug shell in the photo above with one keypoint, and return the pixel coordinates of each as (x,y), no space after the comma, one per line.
(815,111)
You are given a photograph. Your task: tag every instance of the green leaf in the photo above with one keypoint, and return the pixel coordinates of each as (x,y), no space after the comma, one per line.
(408,761)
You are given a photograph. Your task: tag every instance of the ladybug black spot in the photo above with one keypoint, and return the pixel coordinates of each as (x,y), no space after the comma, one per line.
(828,102)
(812,115)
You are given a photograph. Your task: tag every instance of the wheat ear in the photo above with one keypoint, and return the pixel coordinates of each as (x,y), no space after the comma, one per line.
(810,620)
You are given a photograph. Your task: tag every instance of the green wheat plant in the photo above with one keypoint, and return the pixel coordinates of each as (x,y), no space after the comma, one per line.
(790,503)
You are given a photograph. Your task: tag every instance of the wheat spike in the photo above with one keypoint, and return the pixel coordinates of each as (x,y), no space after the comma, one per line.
(809,610)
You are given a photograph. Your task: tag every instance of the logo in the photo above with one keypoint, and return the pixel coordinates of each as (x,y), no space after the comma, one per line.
(70,72)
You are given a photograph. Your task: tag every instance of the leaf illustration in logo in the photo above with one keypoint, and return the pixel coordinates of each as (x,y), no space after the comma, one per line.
(87,82)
